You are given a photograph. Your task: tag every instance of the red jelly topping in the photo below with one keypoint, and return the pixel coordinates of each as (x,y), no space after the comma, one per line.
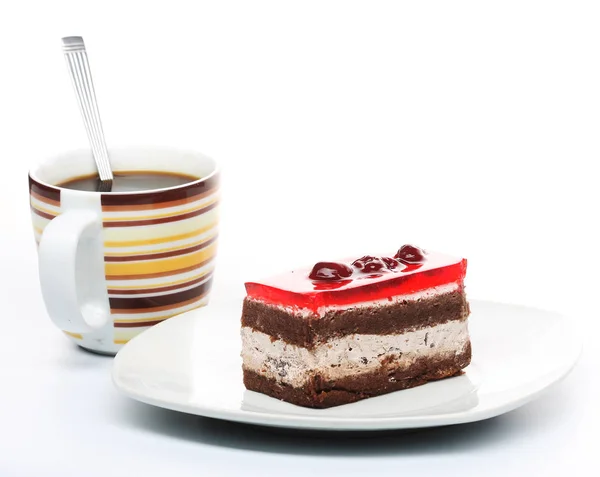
(370,278)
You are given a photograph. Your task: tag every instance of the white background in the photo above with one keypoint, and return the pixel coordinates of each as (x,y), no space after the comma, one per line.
(343,128)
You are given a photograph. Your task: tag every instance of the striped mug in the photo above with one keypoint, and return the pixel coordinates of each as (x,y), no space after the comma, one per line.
(113,264)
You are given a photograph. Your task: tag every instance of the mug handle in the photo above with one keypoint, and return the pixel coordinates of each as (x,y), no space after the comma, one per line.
(71,266)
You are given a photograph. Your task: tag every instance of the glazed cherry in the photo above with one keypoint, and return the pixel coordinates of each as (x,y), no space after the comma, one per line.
(369,264)
(390,263)
(330,271)
(410,254)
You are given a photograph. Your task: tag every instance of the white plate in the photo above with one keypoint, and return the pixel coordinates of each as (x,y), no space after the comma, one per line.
(191,364)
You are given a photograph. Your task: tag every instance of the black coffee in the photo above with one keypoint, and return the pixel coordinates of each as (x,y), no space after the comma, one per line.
(130,181)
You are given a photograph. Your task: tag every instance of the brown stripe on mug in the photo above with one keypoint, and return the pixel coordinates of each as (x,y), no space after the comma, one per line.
(162,220)
(143,291)
(183,192)
(134,304)
(43,199)
(141,323)
(157,205)
(42,214)
(138,324)
(135,311)
(52,193)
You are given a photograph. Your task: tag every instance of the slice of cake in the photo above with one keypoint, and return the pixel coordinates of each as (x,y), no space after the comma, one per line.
(342,332)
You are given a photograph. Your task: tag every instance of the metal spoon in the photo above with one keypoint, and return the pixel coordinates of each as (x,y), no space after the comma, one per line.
(81,76)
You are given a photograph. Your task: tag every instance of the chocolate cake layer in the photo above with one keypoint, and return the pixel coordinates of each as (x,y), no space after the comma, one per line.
(307,331)
(319,393)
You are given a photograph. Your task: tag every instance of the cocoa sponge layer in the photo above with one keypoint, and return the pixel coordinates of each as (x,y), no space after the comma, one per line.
(395,318)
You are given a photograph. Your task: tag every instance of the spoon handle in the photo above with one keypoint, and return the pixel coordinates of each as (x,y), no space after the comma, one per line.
(81,77)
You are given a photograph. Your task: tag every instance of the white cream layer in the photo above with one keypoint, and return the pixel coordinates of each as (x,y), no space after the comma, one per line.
(305,312)
(351,354)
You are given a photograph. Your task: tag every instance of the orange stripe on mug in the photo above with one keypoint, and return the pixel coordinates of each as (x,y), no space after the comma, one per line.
(116,269)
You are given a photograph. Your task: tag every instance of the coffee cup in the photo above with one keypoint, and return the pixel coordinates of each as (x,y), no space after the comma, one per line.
(113,264)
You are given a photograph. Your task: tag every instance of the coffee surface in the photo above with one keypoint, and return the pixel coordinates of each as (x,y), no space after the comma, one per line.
(130,181)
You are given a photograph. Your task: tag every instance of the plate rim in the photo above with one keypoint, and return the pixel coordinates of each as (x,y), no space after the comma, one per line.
(340,423)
